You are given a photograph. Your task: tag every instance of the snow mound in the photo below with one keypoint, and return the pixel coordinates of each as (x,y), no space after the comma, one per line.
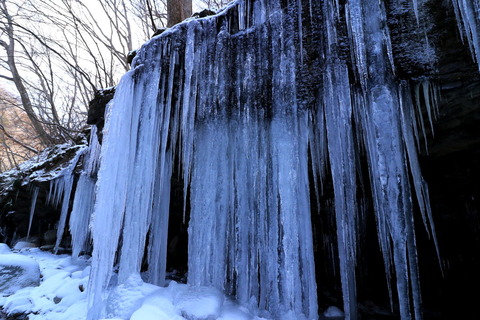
(60,296)
(333,312)
(4,248)
(157,307)
(199,303)
(127,297)
(17,272)
(23,245)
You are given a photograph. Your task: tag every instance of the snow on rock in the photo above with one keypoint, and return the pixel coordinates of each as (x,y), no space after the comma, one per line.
(4,248)
(46,166)
(156,307)
(60,295)
(16,272)
(23,245)
(127,297)
(198,303)
(232,311)
(333,312)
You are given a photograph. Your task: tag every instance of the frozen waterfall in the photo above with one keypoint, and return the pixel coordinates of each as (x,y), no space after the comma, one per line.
(254,108)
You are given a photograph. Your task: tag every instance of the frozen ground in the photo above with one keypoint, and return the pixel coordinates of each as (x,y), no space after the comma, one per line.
(62,295)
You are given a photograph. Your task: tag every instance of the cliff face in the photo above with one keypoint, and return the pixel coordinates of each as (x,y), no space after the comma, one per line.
(427,52)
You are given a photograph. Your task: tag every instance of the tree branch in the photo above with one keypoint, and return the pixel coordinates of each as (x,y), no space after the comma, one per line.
(32,149)
(6,77)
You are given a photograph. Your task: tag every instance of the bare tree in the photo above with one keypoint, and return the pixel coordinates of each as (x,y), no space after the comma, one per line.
(151,14)
(17,136)
(57,53)
(214,4)
(7,30)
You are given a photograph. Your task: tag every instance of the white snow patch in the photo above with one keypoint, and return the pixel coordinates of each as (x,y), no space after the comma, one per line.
(23,245)
(199,302)
(59,296)
(127,297)
(62,295)
(333,312)
(4,248)
(16,272)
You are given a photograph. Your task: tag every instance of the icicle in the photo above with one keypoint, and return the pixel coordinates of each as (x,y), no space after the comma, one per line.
(32,209)
(415,10)
(152,116)
(80,216)
(188,108)
(338,112)
(134,162)
(419,114)
(387,147)
(159,228)
(66,189)
(421,189)
(84,199)
(64,185)
(107,218)
(355,25)
(468,20)
(428,103)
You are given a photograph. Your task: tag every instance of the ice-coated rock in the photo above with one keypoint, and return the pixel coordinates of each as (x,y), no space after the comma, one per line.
(16,272)
(4,248)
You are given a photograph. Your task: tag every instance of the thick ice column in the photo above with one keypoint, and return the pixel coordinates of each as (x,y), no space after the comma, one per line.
(389,142)
(338,117)
(290,183)
(391,190)
(84,199)
(81,211)
(210,204)
(141,172)
(133,181)
(112,184)
(157,250)
(250,230)
(336,108)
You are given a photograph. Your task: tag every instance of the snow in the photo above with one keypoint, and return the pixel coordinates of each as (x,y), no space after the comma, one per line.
(23,244)
(58,296)
(4,248)
(333,312)
(61,294)
(17,272)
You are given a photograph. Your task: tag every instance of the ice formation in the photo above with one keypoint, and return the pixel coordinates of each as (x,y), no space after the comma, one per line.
(32,209)
(61,192)
(255,106)
(84,198)
(468,19)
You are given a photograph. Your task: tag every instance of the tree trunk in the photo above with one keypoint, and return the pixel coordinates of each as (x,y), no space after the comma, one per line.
(18,81)
(177,11)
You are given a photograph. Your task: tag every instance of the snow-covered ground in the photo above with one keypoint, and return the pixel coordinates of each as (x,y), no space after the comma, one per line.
(62,294)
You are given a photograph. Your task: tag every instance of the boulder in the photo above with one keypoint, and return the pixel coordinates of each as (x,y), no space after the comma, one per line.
(24,245)
(17,272)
